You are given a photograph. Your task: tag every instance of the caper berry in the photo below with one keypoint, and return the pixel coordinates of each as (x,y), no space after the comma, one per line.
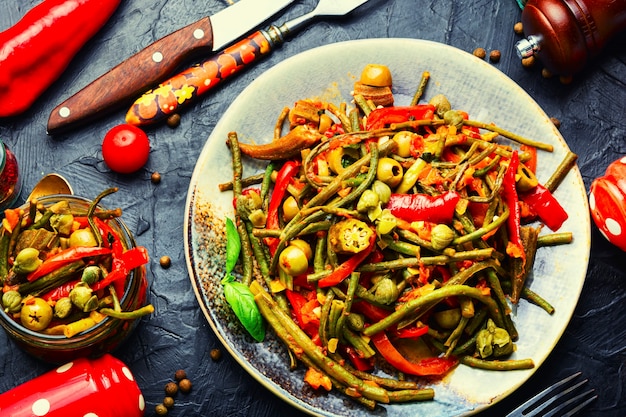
(165,261)
(441,103)
(171,388)
(216,354)
(161,410)
(12,301)
(185,385)
(180,375)
(26,261)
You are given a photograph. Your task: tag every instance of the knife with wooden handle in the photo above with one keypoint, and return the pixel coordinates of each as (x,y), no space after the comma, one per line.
(122,84)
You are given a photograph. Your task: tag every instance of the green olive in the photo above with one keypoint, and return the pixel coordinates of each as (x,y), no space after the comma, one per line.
(82,237)
(404,139)
(293,261)
(526,179)
(26,261)
(389,171)
(290,208)
(448,319)
(376,75)
(36,314)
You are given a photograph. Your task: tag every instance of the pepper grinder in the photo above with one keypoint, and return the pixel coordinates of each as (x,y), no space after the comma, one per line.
(566,34)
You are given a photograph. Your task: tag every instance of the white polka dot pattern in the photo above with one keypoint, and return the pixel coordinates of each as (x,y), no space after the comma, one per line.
(607,203)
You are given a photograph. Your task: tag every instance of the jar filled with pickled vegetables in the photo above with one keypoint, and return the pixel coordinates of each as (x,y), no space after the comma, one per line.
(10,181)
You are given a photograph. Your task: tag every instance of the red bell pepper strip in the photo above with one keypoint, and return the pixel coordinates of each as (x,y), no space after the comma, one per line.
(347,267)
(413,332)
(60,292)
(515,248)
(284,177)
(370,311)
(361,364)
(543,203)
(65,257)
(37,49)
(303,311)
(122,265)
(416,207)
(384,116)
(425,367)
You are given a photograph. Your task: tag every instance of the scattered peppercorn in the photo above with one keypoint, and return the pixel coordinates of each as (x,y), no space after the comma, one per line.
(165,261)
(546,73)
(155,178)
(556,122)
(216,354)
(528,61)
(494,56)
(518,28)
(180,375)
(184,385)
(480,53)
(566,79)
(161,410)
(171,389)
(173,120)
(168,402)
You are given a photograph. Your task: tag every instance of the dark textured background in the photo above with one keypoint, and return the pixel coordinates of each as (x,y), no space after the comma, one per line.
(591,110)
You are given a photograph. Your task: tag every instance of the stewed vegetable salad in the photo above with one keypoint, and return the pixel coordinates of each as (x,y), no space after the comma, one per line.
(65,268)
(386,243)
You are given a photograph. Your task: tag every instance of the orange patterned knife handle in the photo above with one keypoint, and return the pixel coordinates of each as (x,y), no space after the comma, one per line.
(180,90)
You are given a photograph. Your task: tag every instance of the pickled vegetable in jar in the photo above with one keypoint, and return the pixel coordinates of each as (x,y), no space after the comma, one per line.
(10,181)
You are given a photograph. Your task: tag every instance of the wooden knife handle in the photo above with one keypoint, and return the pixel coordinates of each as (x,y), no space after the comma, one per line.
(124,83)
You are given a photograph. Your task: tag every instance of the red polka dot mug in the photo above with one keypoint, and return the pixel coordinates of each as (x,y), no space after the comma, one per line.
(102,387)
(607,202)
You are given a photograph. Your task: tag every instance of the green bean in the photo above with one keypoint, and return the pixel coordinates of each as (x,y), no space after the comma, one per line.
(95,230)
(54,279)
(555,239)
(360,101)
(475,254)
(533,297)
(561,171)
(483,230)
(4,256)
(128,315)
(420,88)
(428,299)
(510,135)
(497,365)
(245,182)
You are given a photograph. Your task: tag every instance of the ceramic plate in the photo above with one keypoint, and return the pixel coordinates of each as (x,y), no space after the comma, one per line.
(329,72)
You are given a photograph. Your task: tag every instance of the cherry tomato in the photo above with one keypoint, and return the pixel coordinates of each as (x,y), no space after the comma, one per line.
(125,148)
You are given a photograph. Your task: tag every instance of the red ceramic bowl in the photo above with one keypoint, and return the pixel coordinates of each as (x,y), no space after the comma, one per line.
(105,336)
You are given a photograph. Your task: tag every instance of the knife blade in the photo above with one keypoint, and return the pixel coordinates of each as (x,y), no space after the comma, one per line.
(152,64)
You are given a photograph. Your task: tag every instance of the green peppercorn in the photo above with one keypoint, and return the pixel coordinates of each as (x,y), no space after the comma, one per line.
(184,385)
(171,389)
(161,410)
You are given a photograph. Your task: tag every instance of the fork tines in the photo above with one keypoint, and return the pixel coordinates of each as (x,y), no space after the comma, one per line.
(561,395)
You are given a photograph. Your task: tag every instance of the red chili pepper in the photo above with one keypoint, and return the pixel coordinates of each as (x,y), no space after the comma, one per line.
(542,202)
(384,116)
(416,207)
(37,49)
(426,366)
(515,248)
(285,174)
(347,267)
(370,311)
(65,257)
(607,202)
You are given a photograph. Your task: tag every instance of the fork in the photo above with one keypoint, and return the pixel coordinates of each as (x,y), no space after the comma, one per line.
(542,401)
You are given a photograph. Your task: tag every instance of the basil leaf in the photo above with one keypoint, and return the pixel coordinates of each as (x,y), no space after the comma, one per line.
(233,245)
(242,302)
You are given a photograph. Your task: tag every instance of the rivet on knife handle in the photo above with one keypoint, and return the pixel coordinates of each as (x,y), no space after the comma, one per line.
(154,63)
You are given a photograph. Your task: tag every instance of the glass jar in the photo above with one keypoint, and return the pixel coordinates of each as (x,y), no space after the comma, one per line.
(10,181)
(102,338)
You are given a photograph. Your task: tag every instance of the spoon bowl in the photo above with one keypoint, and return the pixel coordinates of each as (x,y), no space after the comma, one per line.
(50,184)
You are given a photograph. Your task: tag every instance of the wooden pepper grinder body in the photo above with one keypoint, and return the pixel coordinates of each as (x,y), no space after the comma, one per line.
(566,34)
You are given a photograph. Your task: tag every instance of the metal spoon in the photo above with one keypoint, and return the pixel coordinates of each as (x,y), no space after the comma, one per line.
(50,184)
